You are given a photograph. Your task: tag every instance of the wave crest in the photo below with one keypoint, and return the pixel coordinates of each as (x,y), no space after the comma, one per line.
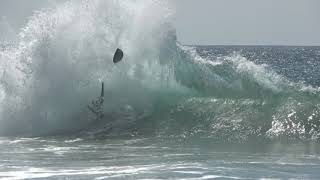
(162,88)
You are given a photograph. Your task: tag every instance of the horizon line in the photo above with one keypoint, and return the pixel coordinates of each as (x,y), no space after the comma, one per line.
(250,45)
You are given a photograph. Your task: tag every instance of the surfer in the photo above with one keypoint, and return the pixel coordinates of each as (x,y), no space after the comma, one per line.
(96,106)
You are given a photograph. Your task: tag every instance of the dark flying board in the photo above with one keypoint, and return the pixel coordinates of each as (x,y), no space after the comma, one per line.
(118,55)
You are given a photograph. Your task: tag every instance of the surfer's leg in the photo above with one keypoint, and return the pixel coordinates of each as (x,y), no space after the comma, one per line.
(102,90)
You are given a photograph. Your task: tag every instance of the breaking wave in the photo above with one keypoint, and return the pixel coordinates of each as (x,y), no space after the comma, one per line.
(161,88)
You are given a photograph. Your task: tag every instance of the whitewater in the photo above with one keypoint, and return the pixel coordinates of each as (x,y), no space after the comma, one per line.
(171,111)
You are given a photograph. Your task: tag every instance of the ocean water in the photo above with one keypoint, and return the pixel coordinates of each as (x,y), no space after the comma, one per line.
(155,158)
(170,111)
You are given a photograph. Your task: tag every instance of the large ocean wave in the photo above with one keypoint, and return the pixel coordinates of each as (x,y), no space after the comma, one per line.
(161,88)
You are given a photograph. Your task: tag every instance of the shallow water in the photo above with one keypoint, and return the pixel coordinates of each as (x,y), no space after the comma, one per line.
(155,158)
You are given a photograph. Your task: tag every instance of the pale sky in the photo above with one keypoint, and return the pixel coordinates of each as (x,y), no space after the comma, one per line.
(221,22)
(248,22)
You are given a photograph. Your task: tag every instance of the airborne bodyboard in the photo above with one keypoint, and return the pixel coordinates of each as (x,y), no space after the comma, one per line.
(118,55)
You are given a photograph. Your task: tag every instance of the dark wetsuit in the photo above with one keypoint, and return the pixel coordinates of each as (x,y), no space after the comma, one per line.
(96,106)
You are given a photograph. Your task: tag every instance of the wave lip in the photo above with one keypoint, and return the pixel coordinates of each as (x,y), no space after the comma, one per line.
(161,88)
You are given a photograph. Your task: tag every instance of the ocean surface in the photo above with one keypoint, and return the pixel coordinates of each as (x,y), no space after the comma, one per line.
(155,158)
(170,111)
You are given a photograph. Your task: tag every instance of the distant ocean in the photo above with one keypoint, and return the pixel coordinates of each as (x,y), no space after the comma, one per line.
(170,111)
